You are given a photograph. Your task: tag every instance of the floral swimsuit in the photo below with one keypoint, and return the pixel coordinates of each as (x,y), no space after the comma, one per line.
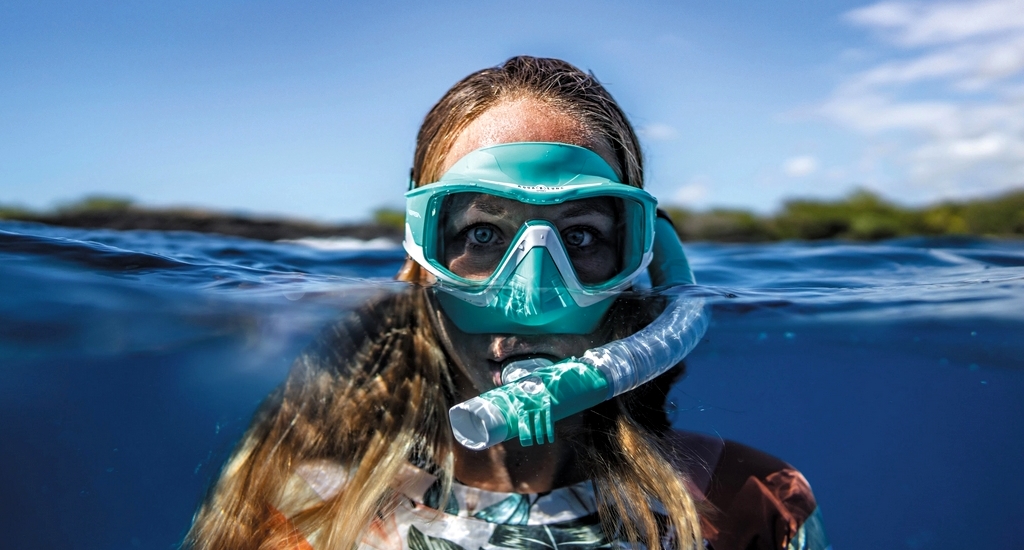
(769,505)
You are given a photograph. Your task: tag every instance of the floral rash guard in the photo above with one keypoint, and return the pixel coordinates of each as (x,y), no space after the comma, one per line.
(751,501)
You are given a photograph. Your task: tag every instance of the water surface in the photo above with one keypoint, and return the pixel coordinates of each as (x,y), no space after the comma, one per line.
(890,374)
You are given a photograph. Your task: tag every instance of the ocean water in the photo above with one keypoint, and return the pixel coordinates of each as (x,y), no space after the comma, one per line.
(891,374)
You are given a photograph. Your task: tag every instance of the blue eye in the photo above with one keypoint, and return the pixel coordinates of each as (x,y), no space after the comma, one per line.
(481,235)
(578,237)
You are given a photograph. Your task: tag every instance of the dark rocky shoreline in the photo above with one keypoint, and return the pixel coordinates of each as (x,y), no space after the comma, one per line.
(251,227)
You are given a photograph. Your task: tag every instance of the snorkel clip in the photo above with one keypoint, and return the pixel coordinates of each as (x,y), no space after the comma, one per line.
(535,414)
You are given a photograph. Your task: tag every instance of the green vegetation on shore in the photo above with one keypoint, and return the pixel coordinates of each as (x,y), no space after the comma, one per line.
(861,216)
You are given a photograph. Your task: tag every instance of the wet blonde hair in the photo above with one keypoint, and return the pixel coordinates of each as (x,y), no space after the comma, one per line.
(373,393)
(551,81)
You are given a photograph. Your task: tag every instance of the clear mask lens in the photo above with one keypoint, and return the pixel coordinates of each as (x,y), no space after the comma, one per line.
(476,231)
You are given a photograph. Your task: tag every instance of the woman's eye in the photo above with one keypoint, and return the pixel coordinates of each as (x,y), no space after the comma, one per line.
(578,237)
(481,234)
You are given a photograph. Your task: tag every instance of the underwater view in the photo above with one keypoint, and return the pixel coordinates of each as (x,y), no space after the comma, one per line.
(891,374)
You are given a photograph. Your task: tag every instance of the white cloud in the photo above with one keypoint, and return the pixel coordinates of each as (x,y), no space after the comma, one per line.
(971,66)
(694,194)
(976,148)
(657,131)
(798,167)
(943,108)
(917,24)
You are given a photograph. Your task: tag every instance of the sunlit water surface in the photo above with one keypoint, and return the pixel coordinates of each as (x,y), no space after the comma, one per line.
(891,374)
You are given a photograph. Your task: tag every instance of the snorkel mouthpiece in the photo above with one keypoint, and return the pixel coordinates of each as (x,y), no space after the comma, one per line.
(536,395)
(528,407)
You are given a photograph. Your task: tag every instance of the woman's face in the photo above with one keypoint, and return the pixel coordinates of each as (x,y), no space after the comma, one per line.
(587,229)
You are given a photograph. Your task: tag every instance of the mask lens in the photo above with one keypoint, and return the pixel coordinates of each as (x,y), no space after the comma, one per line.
(476,231)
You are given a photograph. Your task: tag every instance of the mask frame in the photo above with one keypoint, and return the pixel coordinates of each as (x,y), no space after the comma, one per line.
(512,300)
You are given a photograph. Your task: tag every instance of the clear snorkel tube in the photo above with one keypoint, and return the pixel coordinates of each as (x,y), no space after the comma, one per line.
(536,393)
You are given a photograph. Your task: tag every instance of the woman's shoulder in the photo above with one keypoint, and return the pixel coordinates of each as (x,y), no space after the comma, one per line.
(752,499)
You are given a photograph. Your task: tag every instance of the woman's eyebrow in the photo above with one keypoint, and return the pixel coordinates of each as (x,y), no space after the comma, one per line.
(488,207)
(586,207)
(459,210)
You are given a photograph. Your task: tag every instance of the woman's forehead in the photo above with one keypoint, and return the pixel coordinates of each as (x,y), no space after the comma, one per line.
(523,120)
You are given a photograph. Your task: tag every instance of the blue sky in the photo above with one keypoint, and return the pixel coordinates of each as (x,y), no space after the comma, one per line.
(310,109)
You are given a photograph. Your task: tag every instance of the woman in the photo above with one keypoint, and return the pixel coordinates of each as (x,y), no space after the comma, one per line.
(356,447)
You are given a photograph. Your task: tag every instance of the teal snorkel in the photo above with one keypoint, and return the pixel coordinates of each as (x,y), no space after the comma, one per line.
(535,395)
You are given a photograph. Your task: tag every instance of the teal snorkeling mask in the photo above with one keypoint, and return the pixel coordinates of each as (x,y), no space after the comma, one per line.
(530,238)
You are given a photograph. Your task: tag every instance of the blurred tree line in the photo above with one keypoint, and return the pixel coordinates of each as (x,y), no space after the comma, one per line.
(861,216)
(85,205)
(121,213)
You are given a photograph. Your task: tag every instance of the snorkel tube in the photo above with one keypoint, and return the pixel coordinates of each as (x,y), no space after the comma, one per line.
(536,393)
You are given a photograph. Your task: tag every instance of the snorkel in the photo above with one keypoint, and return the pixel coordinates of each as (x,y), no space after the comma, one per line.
(547,295)
(535,396)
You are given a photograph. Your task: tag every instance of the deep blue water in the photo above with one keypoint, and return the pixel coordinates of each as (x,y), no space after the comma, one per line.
(891,374)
